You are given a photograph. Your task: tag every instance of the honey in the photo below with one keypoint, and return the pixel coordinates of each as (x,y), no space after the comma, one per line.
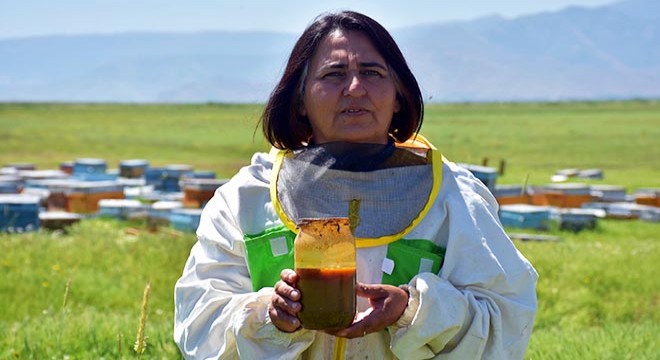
(324,258)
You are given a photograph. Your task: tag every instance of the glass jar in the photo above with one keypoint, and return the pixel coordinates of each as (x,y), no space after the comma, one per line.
(324,256)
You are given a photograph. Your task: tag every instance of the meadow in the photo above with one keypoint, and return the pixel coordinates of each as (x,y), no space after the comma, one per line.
(78,295)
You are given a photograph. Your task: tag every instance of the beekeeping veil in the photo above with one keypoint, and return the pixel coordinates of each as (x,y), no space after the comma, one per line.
(383,189)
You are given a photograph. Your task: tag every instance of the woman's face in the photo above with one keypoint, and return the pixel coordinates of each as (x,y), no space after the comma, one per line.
(349,92)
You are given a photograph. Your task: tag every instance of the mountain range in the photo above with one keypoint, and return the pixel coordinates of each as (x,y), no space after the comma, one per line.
(577,53)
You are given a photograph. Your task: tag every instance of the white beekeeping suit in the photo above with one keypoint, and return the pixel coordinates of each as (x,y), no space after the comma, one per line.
(472,294)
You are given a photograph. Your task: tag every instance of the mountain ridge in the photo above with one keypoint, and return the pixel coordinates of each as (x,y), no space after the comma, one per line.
(577,53)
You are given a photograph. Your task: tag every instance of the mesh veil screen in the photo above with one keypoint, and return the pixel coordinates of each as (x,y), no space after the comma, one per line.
(392,185)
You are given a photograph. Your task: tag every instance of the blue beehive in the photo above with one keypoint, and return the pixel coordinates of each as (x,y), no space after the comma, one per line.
(525,216)
(608,193)
(159,213)
(10,184)
(576,219)
(487,175)
(122,208)
(201,175)
(94,177)
(19,213)
(173,175)
(569,188)
(155,196)
(134,168)
(508,190)
(89,166)
(154,177)
(167,178)
(186,220)
(650,214)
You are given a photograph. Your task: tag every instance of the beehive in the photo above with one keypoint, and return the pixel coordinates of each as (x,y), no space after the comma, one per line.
(186,220)
(608,193)
(58,220)
(10,184)
(577,219)
(487,175)
(132,169)
(158,214)
(525,216)
(567,195)
(649,197)
(67,167)
(84,197)
(19,213)
(200,175)
(197,192)
(89,166)
(21,166)
(167,178)
(122,209)
(52,192)
(511,194)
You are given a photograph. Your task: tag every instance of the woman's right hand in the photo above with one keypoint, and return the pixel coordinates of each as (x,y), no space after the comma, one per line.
(285,302)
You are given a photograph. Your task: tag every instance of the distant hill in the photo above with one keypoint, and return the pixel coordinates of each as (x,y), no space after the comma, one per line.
(609,52)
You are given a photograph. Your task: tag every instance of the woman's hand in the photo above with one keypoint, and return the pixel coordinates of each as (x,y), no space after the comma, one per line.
(387,305)
(285,302)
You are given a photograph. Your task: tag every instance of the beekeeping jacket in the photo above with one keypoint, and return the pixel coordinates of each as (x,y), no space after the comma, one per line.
(429,224)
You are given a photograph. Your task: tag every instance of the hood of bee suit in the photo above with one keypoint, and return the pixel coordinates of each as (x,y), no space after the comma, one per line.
(383,189)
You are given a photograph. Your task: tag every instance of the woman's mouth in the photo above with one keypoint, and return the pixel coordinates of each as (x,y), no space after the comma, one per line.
(353,111)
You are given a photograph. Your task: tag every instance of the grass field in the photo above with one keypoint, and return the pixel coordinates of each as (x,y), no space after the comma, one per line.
(621,138)
(598,290)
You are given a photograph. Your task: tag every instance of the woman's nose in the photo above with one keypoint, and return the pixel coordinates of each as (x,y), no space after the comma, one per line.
(354,86)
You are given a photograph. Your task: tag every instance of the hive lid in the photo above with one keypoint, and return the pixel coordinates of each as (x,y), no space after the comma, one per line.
(18,199)
(120,203)
(59,215)
(524,208)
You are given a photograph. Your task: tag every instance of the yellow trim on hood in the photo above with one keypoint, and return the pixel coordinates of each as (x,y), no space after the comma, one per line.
(418,141)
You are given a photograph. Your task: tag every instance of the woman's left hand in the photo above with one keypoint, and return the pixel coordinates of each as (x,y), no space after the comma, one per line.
(387,305)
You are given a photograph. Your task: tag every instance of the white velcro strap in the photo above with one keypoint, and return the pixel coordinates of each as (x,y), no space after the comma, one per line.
(278,246)
(388,266)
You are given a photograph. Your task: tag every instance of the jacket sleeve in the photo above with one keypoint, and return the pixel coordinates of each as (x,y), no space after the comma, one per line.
(482,304)
(217,315)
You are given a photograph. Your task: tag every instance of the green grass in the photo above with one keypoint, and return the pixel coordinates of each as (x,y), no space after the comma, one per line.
(621,138)
(598,290)
(598,293)
(535,139)
(209,137)
(108,269)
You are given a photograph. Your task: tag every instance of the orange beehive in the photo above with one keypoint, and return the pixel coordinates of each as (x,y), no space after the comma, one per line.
(511,194)
(197,192)
(84,197)
(648,197)
(568,195)
(566,200)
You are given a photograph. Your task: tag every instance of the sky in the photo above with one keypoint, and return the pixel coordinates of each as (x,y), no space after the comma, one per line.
(22,18)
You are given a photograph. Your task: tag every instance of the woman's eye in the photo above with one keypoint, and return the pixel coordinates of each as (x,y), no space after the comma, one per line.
(371,73)
(333,74)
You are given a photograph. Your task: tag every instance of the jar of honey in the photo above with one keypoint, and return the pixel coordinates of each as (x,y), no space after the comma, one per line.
(324,256)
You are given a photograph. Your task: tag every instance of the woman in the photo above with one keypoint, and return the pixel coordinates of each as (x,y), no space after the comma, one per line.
(437,275)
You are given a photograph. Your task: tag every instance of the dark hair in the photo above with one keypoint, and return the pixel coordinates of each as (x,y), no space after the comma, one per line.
(283,125)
